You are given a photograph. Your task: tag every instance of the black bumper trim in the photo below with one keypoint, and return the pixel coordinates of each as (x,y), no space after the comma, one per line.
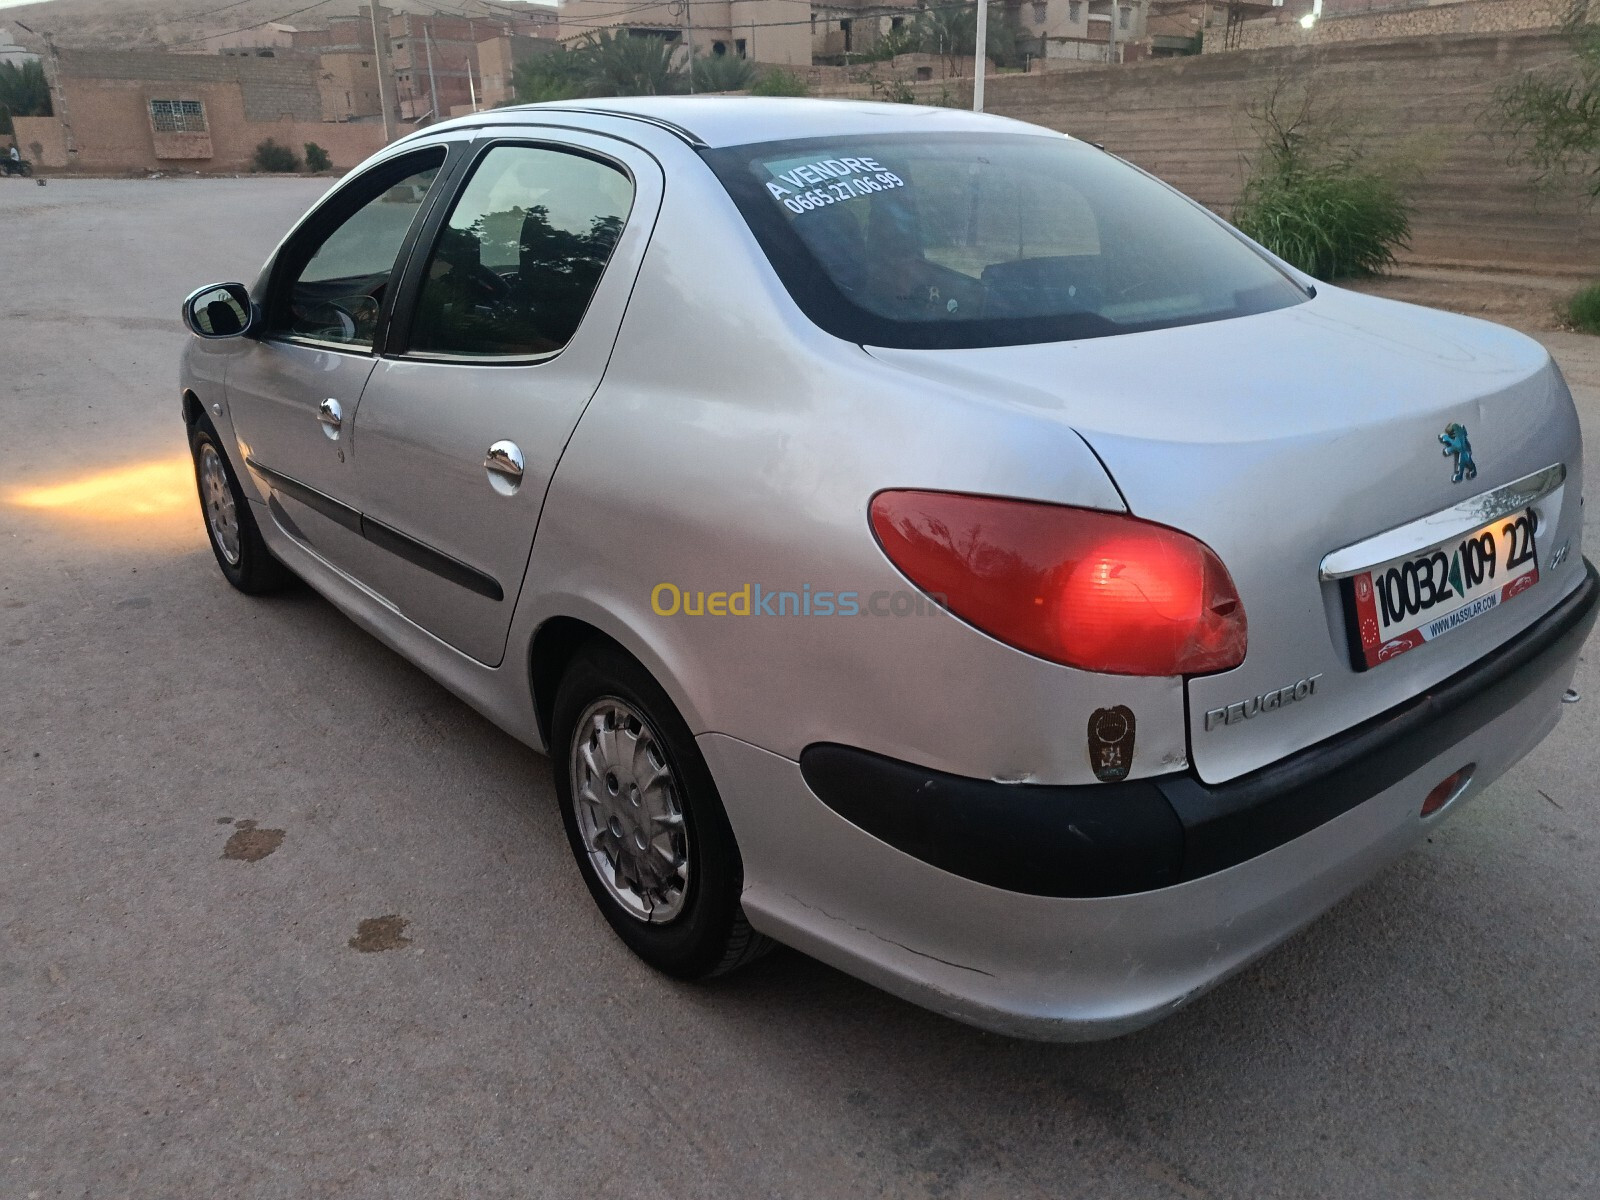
(1122,838)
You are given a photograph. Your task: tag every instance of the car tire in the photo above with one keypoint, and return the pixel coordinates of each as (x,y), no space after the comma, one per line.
(660,859)
(231,527)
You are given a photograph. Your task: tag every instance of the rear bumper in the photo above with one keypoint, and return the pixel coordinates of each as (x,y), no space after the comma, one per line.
(1254,861)
(1117,839)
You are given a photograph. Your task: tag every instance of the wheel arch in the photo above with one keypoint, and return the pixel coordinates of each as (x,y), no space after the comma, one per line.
(559,637)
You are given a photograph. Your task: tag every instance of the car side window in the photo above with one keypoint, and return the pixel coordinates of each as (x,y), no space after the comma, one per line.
(337,283)
(521,255)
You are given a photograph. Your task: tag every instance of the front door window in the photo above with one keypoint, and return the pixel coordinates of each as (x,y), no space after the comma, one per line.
(336,283)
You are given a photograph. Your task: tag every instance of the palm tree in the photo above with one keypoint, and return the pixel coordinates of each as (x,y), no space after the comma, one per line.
(615,63)
(552,76)
(953,32)
(23,93)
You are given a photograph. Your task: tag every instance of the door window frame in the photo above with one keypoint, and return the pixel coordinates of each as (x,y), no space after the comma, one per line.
(425,238)
(338,207)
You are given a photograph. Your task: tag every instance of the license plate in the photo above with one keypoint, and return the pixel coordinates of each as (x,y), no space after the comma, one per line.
(1402,604)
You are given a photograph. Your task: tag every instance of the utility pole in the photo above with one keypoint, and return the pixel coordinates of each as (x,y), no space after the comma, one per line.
(1111,45)
(378,47)
(433,83)
(688,39)
(979,57)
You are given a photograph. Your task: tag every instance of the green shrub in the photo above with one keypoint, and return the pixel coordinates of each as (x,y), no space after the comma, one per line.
(780,83)
(723,73)
(270,156)
(1552,115)
(317,158)
(1584,310)
(894,91)
(1315,197)
(1332,222)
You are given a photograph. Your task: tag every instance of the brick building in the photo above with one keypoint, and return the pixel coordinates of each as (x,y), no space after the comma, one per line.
(768,31)
(430,64)
(118,110)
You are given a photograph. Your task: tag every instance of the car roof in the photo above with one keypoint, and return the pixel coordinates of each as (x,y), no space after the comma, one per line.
(738,120)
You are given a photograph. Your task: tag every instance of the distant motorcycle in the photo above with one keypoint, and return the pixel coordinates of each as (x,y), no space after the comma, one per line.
(16,166)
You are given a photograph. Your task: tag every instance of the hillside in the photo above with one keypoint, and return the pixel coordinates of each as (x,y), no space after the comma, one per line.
(147,24)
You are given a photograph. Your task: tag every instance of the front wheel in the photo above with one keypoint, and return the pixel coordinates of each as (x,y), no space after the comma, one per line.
(644,819)
(230,525)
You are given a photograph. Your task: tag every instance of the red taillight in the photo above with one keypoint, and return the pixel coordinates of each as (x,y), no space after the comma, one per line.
(1095,590)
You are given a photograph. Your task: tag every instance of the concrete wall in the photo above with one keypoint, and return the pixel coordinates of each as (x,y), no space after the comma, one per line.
(40,140)
(1184,119)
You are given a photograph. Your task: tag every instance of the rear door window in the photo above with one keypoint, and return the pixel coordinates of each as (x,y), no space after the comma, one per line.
(521,254)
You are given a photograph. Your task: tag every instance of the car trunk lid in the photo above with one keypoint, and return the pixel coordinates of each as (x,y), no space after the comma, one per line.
(1281,438)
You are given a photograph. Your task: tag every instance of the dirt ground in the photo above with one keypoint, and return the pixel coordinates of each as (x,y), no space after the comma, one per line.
(1532,303)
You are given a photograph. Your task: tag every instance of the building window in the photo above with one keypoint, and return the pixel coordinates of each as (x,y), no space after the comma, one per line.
(897,22)
(1122,18)
(739,47)
(1075,11)
(177,116)
(1040,9)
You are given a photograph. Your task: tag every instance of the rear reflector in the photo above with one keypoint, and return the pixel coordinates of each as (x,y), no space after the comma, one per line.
(1099,591)
(1447,789)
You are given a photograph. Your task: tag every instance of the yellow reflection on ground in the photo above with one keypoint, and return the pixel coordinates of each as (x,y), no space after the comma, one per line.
(138,499)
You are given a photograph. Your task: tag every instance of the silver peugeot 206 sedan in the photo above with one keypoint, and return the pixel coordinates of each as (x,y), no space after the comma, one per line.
(916,537)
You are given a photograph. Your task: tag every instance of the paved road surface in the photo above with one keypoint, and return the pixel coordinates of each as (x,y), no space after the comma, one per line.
(177,1023)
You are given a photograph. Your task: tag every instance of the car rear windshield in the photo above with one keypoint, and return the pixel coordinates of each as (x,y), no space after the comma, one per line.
(953,240)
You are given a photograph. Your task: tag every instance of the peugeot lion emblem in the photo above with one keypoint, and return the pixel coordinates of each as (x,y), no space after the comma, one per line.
(1454,440)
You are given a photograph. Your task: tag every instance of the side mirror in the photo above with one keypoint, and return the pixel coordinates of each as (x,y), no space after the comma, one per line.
(219,310)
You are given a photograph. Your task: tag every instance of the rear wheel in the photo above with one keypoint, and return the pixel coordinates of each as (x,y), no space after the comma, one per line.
(644,819)
(230,525)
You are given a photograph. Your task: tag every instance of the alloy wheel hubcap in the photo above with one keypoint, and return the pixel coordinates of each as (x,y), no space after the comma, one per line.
(222,518)
(629,817)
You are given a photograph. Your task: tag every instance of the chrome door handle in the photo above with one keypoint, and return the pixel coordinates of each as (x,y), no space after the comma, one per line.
(330,416)
(503,463)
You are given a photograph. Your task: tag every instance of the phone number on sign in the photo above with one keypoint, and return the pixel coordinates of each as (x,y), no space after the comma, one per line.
(843,189)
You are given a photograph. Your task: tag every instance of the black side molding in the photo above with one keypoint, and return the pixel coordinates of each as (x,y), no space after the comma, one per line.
(1120,838)
(385,537)
(388,538)
(334,510)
